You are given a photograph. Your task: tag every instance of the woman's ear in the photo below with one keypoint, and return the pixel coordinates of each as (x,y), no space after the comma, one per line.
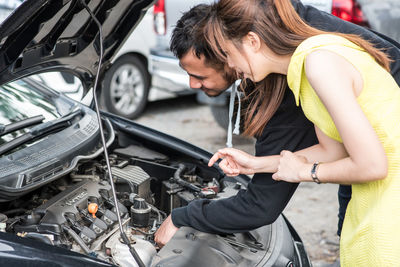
(253,41)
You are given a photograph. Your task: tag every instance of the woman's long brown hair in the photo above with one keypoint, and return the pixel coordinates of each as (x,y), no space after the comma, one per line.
(282,30)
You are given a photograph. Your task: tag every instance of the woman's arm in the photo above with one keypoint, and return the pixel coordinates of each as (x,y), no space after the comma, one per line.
(326,150)
(235,162)
(360,158)
(337,84)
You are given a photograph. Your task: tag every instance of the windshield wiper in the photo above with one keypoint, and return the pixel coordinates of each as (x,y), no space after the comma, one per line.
(40,131)
(22,124)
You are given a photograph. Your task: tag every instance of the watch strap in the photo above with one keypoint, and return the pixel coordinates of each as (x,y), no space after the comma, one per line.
(314,172)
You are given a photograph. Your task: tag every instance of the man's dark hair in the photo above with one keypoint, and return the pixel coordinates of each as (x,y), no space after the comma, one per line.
(188,35)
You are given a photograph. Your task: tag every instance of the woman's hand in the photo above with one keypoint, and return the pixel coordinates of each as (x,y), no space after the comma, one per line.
(291,167)
(234,161)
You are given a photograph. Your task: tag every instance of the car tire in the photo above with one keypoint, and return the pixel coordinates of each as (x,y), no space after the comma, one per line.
(126,87)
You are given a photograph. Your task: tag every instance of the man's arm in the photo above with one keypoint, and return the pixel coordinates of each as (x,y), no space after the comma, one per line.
(165,232)
(259,205)
(264,199)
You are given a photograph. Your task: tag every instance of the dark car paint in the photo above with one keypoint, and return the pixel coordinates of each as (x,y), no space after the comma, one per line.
(18,251)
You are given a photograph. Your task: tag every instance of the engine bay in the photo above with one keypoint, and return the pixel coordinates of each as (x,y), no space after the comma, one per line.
(77,211)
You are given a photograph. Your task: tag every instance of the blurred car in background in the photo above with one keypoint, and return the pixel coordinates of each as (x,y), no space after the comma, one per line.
(127,84)
(382,16)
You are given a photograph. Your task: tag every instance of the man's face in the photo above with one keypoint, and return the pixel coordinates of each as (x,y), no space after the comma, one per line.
(201,76)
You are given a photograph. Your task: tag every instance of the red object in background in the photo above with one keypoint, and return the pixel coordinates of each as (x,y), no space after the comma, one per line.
(349,10)
(160,22)
(159,6)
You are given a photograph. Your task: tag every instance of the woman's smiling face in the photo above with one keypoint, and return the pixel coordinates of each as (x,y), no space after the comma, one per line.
(250,60)
(237,61)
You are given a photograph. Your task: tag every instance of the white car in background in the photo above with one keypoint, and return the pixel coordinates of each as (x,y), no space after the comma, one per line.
(126,84)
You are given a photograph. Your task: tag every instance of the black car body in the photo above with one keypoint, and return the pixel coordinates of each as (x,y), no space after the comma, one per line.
(56,202)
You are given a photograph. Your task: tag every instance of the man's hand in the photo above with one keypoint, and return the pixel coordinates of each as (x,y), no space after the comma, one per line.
(165,232)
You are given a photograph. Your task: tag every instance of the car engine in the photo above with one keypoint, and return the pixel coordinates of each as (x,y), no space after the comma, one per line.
(77,211)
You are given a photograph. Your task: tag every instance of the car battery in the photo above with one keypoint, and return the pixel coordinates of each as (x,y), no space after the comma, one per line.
(185,197)
(170,199)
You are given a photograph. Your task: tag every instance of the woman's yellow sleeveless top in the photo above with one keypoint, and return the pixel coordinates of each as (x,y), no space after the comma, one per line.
(371,229)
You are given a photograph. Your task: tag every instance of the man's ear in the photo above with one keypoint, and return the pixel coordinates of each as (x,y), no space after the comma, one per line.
(253,40)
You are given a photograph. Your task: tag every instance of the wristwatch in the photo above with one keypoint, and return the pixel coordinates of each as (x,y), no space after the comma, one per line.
(314,172)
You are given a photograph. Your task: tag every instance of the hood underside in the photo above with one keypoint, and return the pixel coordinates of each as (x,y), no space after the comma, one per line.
(60,35)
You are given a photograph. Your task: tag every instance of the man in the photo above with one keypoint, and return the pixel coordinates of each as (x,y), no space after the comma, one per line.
(288,129)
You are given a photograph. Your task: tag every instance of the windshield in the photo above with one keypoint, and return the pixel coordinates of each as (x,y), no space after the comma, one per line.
(19,101)
(7,6)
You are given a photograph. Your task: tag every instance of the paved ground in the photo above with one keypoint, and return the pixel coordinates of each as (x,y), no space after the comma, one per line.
(313,208)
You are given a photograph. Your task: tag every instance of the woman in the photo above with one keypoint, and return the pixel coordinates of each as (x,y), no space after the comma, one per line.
(343,86)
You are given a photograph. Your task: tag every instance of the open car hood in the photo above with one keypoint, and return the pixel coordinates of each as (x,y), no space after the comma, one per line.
(60,35)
